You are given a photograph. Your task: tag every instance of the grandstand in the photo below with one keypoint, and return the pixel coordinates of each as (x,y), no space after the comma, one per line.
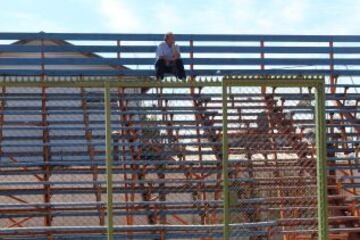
(163,176)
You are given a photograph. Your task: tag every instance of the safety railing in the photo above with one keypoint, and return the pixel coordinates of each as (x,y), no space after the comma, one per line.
(75,54)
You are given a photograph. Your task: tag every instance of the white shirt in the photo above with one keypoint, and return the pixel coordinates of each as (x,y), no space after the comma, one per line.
(163,50)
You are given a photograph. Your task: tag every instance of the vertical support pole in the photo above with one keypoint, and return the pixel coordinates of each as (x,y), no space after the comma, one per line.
(2,115)
(192,77)
(332,77)
(321,163)
(109,161)
(225,163)
(118,53)
(45,139)
(123,119)
(262,66)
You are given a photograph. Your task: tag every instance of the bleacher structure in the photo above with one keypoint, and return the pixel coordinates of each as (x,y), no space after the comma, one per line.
(164,171)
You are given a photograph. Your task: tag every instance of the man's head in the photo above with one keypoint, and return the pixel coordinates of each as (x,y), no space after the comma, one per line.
(169,38)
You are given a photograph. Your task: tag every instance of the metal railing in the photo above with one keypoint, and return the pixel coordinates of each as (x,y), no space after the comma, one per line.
(92,54)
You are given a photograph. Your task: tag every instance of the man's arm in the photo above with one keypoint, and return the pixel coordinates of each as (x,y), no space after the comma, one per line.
(159,52)
(176,51)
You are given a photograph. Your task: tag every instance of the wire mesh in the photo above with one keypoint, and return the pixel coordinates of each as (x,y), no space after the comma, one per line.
(167,153)
(169,145)
(272,162)
(166,149)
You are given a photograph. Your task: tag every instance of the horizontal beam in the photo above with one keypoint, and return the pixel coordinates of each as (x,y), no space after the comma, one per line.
(198,61)
(179,37)
(198,72)
(184,49)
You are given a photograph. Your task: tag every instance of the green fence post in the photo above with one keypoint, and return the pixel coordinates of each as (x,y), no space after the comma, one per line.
(321,162)
(109,161)
(225,163)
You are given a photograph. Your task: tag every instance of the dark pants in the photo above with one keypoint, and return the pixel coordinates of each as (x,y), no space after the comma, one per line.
(176,68)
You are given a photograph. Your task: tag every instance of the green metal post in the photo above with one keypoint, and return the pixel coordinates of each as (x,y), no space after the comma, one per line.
(109,161)
(225,164)
(321,162)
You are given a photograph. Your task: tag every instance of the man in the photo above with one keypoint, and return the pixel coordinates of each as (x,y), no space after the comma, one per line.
(168,58)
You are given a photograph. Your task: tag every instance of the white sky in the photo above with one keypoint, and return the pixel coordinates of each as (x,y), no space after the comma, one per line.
(182,16)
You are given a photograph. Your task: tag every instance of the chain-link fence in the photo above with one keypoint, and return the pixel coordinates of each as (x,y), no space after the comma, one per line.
(272,159)
(167,142)
(165,178)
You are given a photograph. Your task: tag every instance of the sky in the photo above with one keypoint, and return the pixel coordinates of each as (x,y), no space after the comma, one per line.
(182,16)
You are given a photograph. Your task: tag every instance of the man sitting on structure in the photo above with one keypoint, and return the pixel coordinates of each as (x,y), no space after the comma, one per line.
(168,58)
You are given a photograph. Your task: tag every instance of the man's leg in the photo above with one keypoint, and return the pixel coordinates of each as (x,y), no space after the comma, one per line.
(179,69)
(160,68)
